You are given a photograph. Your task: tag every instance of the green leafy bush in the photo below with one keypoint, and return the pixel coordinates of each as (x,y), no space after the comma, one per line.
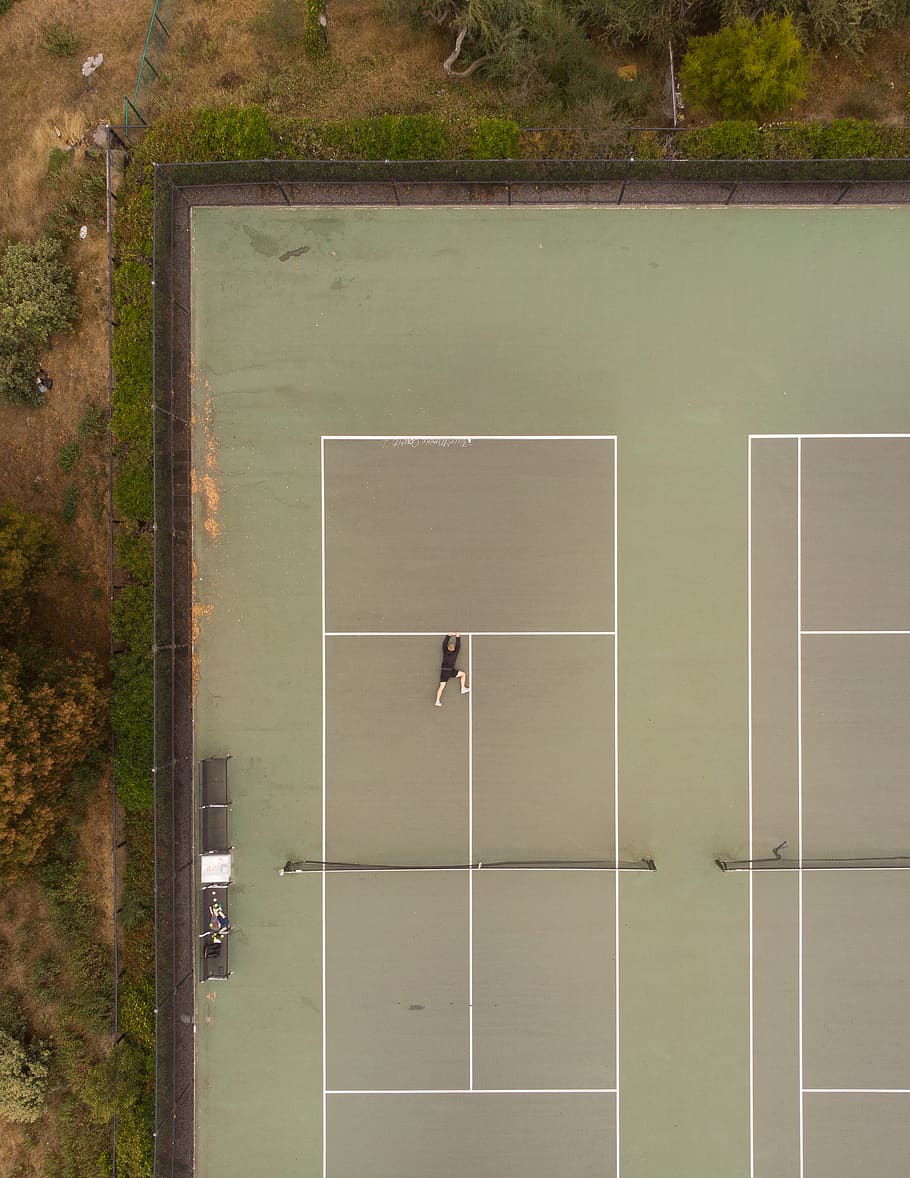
(222,133)
(69,455)
(494,139)
(57,38)
(133,491)
(135,555)
(852,139)
(390,137)
(131,617)
(58,161)
(746,71)
(36,299)
(131,720)
(137,1011)
(70,503)
(728,140)
(93,423)
(23,1079)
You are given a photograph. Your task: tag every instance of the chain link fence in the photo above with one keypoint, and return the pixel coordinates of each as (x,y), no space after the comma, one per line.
(136,109)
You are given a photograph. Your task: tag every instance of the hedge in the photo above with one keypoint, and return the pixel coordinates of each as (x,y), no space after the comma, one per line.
(131,720)
(839,140)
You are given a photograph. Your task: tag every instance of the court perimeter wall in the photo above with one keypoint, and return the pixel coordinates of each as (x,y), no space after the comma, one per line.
(177,189)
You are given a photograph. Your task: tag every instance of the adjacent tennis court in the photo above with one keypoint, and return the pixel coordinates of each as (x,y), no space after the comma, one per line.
(587,439)
(830,638)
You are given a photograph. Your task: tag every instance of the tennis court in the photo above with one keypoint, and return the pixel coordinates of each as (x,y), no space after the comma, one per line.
(555,431)
(831,687)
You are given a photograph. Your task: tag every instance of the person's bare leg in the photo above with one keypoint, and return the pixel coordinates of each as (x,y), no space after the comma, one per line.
(439,690)
(460,676)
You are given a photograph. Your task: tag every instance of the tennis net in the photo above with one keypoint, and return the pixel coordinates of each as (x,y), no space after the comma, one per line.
(776,862)
(295,866)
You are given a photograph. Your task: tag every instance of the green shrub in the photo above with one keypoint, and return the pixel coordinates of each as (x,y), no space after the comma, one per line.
(223,133)
(390,137)
(69,455)
(58,161)
(131,720)
(23,1079)
(134,223)
(6,5)
(647,145)
(135,555)
(36,299)
(137,1011)
(70,503)
(131,617)
(134,1142)
(44,978)
(790,141)
(746,71)
(57,38)
(131,417)
(494,139)
(93,423)
(728,140)
(851,139)
(133,492)
(19,359)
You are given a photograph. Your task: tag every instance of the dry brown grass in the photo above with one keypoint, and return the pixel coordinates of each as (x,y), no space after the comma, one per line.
(229,53)
(47,102)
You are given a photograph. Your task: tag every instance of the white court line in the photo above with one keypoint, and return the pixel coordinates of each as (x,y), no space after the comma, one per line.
(835,633)
(616,768)
(322,873)
(857,1091)
(469,437)
(751,892)
(470,860)
(799,731)
(476,633)
(463,1091)
(799,437)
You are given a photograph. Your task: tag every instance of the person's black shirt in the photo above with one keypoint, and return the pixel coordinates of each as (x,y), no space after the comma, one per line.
(449,656)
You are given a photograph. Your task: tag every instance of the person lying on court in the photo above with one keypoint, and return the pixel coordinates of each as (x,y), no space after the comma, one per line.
(451,645)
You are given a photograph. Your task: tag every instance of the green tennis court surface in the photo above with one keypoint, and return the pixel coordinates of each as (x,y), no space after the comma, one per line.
(588,440)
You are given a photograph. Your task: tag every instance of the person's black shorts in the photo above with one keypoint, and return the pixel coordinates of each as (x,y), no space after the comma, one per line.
(447,673)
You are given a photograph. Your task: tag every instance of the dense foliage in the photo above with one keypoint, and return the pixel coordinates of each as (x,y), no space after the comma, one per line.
(28,552)
(36,299)
(51,712)
(847,24)
(23,1079)
(747,70)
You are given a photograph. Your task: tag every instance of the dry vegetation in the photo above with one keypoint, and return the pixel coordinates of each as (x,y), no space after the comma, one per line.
(46,101)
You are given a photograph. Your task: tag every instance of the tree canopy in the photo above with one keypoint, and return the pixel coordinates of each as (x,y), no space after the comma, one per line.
(28,552)
(37,298)
(51,717)
(23,1079)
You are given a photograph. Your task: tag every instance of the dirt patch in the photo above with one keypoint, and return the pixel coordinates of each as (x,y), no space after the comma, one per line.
(874,86)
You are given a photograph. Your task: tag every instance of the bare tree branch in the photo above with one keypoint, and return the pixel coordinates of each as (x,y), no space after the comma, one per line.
(453,57)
